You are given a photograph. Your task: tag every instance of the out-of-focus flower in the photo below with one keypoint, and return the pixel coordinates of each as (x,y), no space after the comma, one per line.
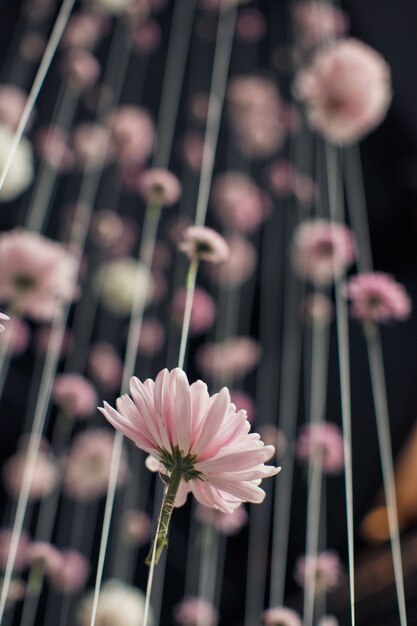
(72,574)
(159,186)
(84,30)
(239,266)
(325,567)
(281,616)
(152,337)
(274,436)
(135,527)
(195,612)
(318,309)
(328,620)
(346,90)
(105,366)
(43,555)
(221,463)
(12,104)
(378,297)
(87,466)
(146,37)
(16,592)
(191,149)
(115,234)
(32,46)
(226,523)
(74,395)
(111,7)
(47,340)
(3,318)
(198,106)
(233,358)
(20,174)
(17,337)
(119,604)
(321,442)
(37,275)
(92,145)
(204,244)
(119,281)
(284,179)
(242,400)
(239,203)
(133,134)
(317,23)
(21,560)
(80,68)
(45,475)
(52,145)
(250,25)
(321,250)
(203,312)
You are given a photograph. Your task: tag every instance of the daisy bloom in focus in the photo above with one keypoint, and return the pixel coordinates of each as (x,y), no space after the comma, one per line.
(326,568)
(3,318)
(321,442)
(204,244)
(195,612)
(378,297)
(281,616)
(346,90)
(200,442)
(159,187)
(119,604)
(322,250)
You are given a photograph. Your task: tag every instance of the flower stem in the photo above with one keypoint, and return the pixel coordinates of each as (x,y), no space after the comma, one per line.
(190,289)
(167,506)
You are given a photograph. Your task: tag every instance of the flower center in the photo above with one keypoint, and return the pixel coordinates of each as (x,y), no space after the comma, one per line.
(23,282)
(184,463)
(203,247)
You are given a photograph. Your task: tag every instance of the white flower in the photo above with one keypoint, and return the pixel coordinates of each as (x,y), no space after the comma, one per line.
(20,174)
(118,605)
(119,280)
(113,7)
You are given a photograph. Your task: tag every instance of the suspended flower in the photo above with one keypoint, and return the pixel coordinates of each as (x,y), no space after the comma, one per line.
(195,612)
(133,133)
(92,145)
(328,620)
(317,23)
(146,37)
(52,146)
(119,281)
(233,358)
(321,442)
(135,527)
(225,523)
(204,244)
(3,318)
(43,555)
(325,567)
(346,90)
(250,25)
(203,312)
(80,68)
(119,604)
(12,104)
(239,266)
(84,30)
(159,186)
(152,337)
(20,174)
(105,366)
(74,395)
(72,574)
(115,234)
(23,544)
(378,297)
(281,616)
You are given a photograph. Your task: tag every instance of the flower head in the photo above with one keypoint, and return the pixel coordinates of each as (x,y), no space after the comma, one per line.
(133,133)
(119,604)
(119,281)
(321,441)
(346,90)
(225,523)
(183,428)
(136,527)
(205,244)
(325,567)
(203,312)
(45,477)
(232,358)
(328,620)
(74,394)
(20,174)
(316,22)
(195,612)
(239,266)
(46,556)
(72,574)
(105,365)
(159,186)
(379,297)
(281,616)
(22,553)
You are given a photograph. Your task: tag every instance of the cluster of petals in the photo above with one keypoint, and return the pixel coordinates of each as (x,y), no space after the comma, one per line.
(346,90)
(239,266)
(321,442)
(322,251)
(20,174)
(193,611)
(317,23)
(318,309)
(37,275)
(113,233)
(239,204)
(74,395)
(203,310)
(105,366)
(233,358)
(84,30)
(169,414)
(326,568)
(92,145)
(255,111)
(119,604)
(378,297)
(12,104)
(52,145)
(284,179)
(135,527)
(111,7)
(281,616)
(226,523)
(80,68)
(204,244)
(159,186)
(133,134)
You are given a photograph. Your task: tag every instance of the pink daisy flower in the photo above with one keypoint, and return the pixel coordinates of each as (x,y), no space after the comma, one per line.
(326,568)
(204,244)
(203,312)
(80,68)
(37,275)
(317,23)
(133,133)
(379,297)
(72,574)
(323,441)
(225,523)
(346,90)
(233,358)
(159,186)
(92,145)
(321,250)
(74,395)
(195,612)
(281,616)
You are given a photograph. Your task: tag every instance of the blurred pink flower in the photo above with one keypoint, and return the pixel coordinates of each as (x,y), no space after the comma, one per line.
(45,477)
(74,395)
(198,106)
(152,337)
(284,179)
(205,244)
(84,30)
(16,592)
(250,25)
(225,523)
(136,527)
(92,145)
(274,436)
(12,104)
(281,616)
(326,567)
(105,366)
(147,37)
(22,549)
(87,465)
(328,620)
(318,309)
(191,149)
(52,146)
(46,340)
(115,234)
(321,442)
(243,400)
(317,23)
(3,318)
(133,134)
(72,574)
(159,186)
(379,297)
(203,312)
(240,265)
(17,337)
(80,68)
(37,275)
(222,463)
(193,611)
(321,250)
(233,358)
(346,90)
(42,554)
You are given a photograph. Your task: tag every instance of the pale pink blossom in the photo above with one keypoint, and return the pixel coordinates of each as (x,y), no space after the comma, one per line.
(115,234)
(222,463)
(204,244)
(16,591)
(225,523)
(159,186)
(284,179)
(84,30)
(321,442)
(17,337)
(43,555)
(133,134)
(281,616)
(198,106)
(250,25)
(192,148)
(80,68)
(203,311)
(192,611)
(53,147)
(326,568)
(45,476)
(3,318)
(136,527)
(12,104)
(318,309)
(152,337)
(274,436)
(317,22)
(92,145)
(87,465)
(37,275)
(238,202)
(22,549)
(243,400)
(346,90)
(147,37)
(322,251)
(105,366)
(232,358)
(74,395)
(379,297)
(72,574)
(240,265)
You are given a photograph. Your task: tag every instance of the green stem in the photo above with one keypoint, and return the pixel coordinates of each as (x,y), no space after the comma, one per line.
(167,506)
